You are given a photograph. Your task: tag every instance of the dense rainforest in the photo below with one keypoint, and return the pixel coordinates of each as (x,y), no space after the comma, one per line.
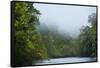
(35,41)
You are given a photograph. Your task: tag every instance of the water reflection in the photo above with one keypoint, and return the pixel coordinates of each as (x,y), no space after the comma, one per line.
(65,60)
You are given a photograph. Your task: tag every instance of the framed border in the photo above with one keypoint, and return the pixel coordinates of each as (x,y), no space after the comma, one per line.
(12,48)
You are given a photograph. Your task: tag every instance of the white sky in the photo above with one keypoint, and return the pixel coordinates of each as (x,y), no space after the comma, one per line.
(67,18)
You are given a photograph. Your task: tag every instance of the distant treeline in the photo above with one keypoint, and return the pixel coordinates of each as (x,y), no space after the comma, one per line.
(33,42)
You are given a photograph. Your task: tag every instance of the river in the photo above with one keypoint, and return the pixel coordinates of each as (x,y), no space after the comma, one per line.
(64,60)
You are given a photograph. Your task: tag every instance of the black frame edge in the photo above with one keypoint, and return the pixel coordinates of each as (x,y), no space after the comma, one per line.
(12,35)
(58,3)
(12,51)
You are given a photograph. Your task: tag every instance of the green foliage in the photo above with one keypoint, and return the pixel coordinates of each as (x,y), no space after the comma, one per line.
(88,38)
(33,42)
(27,46)
(59,46)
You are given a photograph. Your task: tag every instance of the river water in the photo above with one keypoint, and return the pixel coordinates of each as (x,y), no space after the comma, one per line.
(64,60)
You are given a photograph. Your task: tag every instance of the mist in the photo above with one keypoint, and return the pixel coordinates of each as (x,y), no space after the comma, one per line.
(64,19)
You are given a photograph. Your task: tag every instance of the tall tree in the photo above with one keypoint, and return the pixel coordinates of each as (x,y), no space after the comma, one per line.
(88,38)
(27,39)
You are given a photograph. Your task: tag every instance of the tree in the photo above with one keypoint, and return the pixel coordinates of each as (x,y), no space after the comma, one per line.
(27,39)
(88,38)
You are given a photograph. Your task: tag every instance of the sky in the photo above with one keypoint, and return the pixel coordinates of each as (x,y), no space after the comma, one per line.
(66,18)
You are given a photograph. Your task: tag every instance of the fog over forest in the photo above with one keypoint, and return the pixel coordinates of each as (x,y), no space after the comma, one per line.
(65,19)
(53,34)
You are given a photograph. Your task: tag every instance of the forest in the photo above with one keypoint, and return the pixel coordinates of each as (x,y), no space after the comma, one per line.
(37,42)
